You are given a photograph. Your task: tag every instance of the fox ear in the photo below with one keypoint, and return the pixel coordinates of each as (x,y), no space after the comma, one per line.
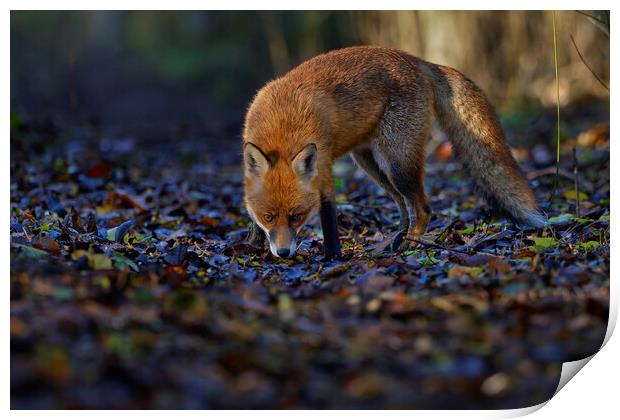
(305,163)
(256,163)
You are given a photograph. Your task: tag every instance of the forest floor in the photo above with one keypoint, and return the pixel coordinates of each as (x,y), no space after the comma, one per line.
(132,285)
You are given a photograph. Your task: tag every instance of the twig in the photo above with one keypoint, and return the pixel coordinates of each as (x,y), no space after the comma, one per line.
(550,170)
(437,246)
(576,174)
(586,64)
(364,206)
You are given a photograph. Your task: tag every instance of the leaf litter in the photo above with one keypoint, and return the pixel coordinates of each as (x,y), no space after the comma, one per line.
(132,286)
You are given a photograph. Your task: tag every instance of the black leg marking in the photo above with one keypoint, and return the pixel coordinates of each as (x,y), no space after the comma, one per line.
(256,236)
(331,243)
(397,240)
(403,218)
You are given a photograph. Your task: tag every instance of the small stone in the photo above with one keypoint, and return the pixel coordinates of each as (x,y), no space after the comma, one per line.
(495,384)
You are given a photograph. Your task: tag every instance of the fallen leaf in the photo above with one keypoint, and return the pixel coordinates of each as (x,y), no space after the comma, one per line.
(100,170)
(118,233)
(209,221)
(47,244)
(542,244)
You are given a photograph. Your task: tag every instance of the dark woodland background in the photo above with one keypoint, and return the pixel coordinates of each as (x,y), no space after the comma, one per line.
(201,68)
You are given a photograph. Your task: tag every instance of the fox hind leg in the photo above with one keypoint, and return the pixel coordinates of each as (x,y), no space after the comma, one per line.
(401,154)
(408,178)
(365,159)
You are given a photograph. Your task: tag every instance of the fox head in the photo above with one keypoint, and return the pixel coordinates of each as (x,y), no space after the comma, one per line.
(281,193)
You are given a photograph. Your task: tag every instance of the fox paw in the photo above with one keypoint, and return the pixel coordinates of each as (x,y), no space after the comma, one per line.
(397,240)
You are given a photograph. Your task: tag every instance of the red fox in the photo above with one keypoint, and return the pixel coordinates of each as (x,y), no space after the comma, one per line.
(376,104)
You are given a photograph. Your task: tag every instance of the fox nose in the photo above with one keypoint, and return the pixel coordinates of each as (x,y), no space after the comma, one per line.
(283,252)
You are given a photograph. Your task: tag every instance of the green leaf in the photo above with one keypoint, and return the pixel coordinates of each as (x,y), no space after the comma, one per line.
(122,262)
(119,344)
(347,245)
(141,238)
(118,233)
(580,220)
(588,246)
(542,244)
(58,164)
(514,288)
(561,219)
(456,271)
(30,251)
(100,262)
(144,296)
(427,260)
(102,281)
(63,293)
(185,301)
(571,195)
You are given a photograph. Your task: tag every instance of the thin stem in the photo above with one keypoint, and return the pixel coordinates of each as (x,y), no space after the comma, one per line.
(557,93)
(576,173)
(586,64)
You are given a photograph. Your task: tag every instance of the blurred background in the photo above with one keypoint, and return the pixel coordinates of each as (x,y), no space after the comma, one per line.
(144,72)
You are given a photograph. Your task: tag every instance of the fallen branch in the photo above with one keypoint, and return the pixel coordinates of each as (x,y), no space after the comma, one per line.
(550,170)
(437,246)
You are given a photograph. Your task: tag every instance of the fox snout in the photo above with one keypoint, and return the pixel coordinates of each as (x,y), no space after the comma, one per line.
(282,242)
(280,195)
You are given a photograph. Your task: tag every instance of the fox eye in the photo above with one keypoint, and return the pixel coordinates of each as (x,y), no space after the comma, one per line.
(268,218)
(296,218)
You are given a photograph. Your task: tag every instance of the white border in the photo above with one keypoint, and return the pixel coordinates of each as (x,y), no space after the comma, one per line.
(592,395)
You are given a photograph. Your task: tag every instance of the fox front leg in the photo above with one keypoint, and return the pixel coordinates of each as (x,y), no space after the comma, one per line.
(256,236)
(329,225)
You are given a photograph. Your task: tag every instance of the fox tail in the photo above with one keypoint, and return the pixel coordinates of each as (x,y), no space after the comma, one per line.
(465,114)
